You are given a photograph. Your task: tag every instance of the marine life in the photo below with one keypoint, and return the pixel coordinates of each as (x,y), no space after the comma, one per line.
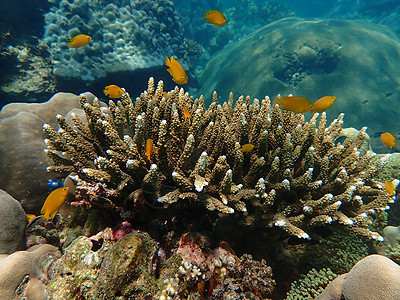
(323,104)
(30,217)
(390,187)
(247,147)
(79,40)
(294,104)
(175,69)
(113,91)
(149,149)
(215,17)
(388,139)
(53,202)
(187,114)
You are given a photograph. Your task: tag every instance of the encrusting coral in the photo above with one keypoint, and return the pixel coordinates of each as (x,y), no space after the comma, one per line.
(295,178)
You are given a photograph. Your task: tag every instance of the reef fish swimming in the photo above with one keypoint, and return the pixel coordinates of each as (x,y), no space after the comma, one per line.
(175,69)
(186,114)
(79,40)
(215,17)
(390,187)
(113,91)
(323,104)
(247,147)
(294,104)
(149,149)
(388,139)
(53,202)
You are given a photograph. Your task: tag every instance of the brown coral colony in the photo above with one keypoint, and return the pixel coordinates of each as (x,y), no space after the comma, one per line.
(295,178)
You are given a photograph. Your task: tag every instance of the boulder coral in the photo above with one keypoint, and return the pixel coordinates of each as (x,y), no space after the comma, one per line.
(126,36)
(374,277)
(314,58)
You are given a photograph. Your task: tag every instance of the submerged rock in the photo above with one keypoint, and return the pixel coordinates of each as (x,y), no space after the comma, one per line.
(12,224)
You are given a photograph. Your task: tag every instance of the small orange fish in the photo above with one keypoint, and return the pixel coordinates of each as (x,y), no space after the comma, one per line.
(79,40)
(165,95)
(30,217)
(323,104)
(388,139)
(390,188)
(53,202)
(247,147)
(187,114)
(175,69)
(113,91)
(215,17)
(294,104)
(149,149)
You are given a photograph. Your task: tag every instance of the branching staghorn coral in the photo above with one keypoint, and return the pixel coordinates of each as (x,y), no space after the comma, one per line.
(295,178)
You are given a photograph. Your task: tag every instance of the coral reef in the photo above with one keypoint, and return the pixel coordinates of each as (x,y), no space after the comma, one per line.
(29,73)
(310,285)
(315,58)
(374,277)
(134,267)
(126,36)
(21,272)
(294,179)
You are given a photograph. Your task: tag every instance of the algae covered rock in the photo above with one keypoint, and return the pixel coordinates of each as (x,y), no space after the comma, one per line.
(104,269)
(356,61)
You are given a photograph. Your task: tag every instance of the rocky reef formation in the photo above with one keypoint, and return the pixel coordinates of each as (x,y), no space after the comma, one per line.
(314,58)
(296,178)
(126,36)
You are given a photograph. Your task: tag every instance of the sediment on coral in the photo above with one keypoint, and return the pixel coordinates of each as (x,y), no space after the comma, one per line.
(295,178)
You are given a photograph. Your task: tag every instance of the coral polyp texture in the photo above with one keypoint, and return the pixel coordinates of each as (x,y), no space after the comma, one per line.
(295,178)
(126,36)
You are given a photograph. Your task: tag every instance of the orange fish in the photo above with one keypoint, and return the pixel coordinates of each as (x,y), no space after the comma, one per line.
(113,91)
(165,95)
(175,69)
(294,104)
(53,202)
(323,104)
(388,139)
(149,149)
(30,217)
(79,40)
(215,17)
(247,147)
(187,114)
(390,188)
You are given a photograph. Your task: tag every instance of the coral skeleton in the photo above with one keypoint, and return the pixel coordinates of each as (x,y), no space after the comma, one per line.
(295,178)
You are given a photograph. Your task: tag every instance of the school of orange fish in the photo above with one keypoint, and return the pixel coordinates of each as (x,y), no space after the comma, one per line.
(292,103)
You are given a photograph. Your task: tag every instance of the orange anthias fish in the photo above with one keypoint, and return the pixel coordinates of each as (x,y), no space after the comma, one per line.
(247,147)
(388,139)
(390,187)
(175,69)
(215,17)
(187,114)
(30,217)
(79,40)
(149,149)
(113,91)
(294,104)
(53,202)
(323,104)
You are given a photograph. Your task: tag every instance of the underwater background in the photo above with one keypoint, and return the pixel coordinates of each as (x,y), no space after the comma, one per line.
(196,149)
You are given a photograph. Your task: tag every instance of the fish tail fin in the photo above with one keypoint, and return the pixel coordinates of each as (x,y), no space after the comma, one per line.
(168,61)
(70,44)
(278,100)
(53,214)
(45,216)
